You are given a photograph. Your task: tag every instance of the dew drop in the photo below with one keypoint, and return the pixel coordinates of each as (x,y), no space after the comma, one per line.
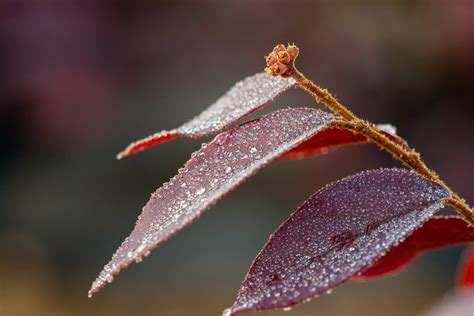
(201,191)
(110,278)
(274,279)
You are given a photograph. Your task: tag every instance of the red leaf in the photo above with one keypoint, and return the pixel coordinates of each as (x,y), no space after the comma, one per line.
(330,139)
(466,270)
(437,232)
(211,173)
(340,231)
(241,100)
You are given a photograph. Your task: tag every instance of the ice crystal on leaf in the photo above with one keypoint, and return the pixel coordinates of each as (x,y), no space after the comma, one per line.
(337,233)
(364,226)
(211,173)
(241,100)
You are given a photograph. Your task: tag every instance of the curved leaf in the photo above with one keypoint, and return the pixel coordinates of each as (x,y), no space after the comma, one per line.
(466,270)
(437,232)
(212,172)
(330,139)
(341,230)
(241,100)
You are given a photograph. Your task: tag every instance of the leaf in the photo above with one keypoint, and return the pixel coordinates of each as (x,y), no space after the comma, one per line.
(466,270)
(211,173)
(437,232)
(330,139)
(340,231)
(242,99)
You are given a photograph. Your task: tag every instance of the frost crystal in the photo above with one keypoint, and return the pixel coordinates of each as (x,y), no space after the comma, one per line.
(241,100)
(211,173)
(337,233)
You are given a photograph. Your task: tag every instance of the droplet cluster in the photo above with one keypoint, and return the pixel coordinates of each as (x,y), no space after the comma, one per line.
(212,172)
(336,234)
(242,99)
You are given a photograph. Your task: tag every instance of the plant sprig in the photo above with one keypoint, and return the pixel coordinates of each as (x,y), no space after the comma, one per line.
(281,62)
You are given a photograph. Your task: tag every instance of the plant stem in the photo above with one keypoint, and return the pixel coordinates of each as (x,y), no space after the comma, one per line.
(281,62)
(408,157)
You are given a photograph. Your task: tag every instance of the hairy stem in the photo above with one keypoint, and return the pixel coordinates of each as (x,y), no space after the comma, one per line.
(281,62)
(408,157)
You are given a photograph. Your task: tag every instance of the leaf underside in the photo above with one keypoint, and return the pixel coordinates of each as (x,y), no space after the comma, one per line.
(336,234)
(437,232)
(211,173)
(242,99)
(330,139)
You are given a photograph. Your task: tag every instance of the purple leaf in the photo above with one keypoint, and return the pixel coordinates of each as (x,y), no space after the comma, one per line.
(341,230)
(212,172)
(241,100)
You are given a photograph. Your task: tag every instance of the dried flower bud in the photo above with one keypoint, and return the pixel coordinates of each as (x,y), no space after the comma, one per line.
(281,59)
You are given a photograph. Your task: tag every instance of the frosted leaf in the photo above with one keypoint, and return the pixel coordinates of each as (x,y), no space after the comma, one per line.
(437,232)
(466,270)
(207,178)
(338,232)
(241,100)
(332,138)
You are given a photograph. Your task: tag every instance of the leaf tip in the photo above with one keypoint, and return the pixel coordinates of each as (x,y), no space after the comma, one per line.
(96,286)
(121,154)
(234,310)
(147,142)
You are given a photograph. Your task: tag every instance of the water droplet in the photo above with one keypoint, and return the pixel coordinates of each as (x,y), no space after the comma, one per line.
(274,279)
(201,191)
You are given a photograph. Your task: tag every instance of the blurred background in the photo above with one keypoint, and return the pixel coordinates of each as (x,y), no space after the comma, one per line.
(81,79)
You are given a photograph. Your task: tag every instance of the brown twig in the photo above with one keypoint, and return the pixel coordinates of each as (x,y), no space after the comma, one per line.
(281,62)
